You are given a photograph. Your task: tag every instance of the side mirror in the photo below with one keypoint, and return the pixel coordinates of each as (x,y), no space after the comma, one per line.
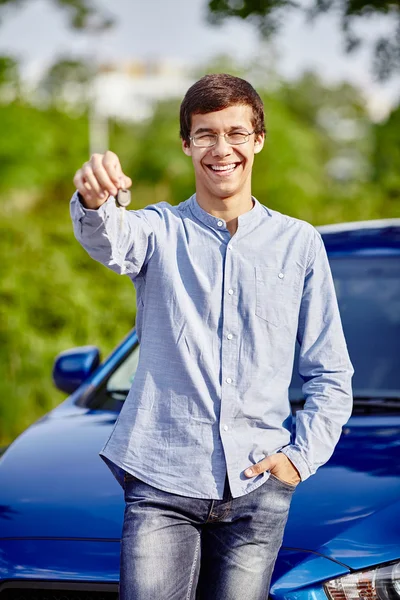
(73,366)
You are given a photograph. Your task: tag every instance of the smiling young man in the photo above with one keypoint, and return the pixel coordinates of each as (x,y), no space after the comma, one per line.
(223,171)
(203,445)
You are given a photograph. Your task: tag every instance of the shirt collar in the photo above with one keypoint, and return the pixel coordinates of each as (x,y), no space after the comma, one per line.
(219,224)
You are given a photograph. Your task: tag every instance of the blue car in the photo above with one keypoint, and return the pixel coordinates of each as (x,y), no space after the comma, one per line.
(61,511)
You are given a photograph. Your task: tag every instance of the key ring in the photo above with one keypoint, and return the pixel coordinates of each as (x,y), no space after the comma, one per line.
(123,198)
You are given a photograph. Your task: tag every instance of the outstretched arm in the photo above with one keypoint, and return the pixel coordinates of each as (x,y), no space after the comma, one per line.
(121,240)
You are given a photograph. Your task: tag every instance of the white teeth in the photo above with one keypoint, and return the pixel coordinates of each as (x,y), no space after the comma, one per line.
(223,168)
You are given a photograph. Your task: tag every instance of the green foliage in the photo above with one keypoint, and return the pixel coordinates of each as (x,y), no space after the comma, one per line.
(323,162)
(8,70)
(387,156)
(38,148)
(52,296)
(289,175)
(9,79)
(161,159)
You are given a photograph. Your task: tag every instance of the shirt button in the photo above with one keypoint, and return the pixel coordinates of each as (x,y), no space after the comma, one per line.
(230,292)
(229,336)
(281,275)
(226,428)
(228,380)
(219,223)
(229,247)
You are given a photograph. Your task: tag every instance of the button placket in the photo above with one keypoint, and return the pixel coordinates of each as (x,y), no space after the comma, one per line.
(229,351)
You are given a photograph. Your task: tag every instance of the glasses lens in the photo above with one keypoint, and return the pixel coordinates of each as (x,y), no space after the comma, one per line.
(204,140)
(237,137)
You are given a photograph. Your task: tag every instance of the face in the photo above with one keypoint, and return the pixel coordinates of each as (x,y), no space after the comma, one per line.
(224,171)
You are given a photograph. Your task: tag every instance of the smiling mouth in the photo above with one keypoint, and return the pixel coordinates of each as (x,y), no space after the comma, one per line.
(223,169)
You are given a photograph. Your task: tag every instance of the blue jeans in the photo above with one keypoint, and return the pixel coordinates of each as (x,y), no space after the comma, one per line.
(179,548)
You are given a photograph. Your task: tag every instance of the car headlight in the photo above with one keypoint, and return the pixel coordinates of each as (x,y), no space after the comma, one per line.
(380,583)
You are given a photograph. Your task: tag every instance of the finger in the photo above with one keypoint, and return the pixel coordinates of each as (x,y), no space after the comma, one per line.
(261,467)
(101,174)
(127,182)
(81,185)
(112,166)
(85,190)
(91,183)
(124,182)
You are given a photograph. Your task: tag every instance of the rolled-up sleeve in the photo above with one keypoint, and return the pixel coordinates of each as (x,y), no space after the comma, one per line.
(122,240)
(324,365)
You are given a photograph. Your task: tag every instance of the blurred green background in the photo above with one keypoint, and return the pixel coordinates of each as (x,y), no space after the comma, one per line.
(325,161)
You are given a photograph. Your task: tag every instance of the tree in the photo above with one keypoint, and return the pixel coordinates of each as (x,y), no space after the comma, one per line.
(67,83)
(267,15)
(82,13)
(386,157)
(9,79)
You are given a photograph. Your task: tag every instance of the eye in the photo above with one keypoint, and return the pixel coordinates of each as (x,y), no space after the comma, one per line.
(205,137)
(237,137)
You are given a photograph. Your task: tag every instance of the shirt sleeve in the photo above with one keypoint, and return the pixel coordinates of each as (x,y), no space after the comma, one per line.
(122,240)
(325,367)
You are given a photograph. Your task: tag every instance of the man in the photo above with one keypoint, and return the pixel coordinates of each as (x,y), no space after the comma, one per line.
(203,444)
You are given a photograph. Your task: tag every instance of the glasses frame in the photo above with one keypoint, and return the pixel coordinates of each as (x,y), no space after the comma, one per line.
(248,134)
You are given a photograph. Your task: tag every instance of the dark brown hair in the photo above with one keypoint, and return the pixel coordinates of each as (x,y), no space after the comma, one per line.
(216,92)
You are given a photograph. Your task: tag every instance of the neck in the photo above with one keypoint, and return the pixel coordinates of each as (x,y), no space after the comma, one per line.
(228,208)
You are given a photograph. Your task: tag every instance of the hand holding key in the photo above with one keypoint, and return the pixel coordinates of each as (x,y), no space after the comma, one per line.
(101,177)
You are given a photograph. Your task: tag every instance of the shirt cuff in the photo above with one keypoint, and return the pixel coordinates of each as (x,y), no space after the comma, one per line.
(294,455)
(80,212)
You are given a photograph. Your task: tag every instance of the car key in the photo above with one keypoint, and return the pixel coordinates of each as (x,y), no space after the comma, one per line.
(122,200)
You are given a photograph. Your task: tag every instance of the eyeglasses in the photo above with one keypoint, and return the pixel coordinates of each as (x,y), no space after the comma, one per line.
(206,140)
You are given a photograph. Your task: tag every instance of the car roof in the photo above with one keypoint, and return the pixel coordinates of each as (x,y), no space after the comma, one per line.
(380,235)
(360,225)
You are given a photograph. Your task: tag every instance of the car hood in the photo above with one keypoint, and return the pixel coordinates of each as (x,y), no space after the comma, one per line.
(55,485)
(347,510)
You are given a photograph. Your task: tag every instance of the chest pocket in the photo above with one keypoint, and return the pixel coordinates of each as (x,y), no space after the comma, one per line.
(277,291)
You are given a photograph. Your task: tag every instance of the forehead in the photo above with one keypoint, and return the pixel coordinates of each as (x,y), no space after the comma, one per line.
(221,120)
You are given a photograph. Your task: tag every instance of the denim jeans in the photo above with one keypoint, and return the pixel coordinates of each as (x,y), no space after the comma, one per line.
(179,548)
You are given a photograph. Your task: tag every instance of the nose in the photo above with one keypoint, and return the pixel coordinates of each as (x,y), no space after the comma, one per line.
(221,148)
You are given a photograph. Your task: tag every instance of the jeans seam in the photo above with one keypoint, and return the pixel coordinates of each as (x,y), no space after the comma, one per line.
(196,554)
(210,512)
(226,512)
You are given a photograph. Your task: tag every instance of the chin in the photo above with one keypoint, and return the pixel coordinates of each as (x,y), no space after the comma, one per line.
(226,191)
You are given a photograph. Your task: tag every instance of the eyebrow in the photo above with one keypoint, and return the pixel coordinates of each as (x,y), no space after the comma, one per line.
(209,130)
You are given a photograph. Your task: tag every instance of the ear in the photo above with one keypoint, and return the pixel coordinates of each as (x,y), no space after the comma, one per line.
(186,148)
(259,143)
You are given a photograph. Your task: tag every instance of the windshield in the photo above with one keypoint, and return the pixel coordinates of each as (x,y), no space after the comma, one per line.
(368,290)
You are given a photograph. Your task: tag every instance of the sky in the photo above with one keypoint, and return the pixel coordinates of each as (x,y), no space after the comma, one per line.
(37,33)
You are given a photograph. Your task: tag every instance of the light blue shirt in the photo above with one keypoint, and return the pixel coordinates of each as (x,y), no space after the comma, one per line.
(217,320)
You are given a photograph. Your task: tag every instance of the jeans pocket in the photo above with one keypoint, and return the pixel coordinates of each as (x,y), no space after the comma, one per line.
(288,486)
